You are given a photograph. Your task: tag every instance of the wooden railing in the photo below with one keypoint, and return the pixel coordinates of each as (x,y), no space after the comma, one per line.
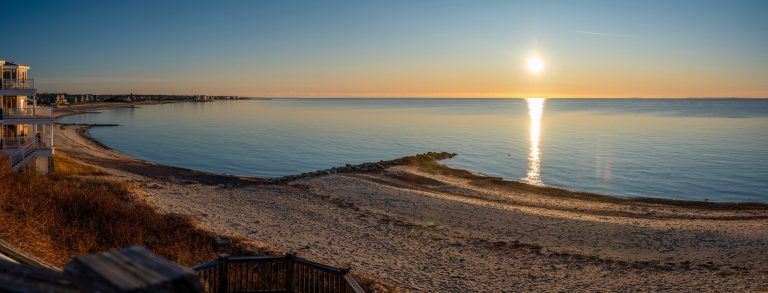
(284,273)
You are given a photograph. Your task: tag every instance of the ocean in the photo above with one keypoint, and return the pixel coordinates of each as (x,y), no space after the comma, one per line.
(691,149)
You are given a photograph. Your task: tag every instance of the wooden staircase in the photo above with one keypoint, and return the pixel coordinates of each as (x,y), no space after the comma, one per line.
(24,155)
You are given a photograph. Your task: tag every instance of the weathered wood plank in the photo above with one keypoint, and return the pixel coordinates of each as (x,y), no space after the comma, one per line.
(187,279)
(135,269)
(131,269)
(158,264)
(93,273)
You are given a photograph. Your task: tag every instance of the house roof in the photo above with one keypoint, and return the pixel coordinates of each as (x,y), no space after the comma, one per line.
(11,64)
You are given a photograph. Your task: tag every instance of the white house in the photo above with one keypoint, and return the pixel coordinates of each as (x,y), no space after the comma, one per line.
(25,128)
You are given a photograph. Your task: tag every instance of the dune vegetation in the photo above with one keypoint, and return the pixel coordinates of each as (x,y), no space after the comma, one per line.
(72,212)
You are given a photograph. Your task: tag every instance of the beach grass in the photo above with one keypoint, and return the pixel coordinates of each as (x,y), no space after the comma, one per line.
(57,217)
(66,165)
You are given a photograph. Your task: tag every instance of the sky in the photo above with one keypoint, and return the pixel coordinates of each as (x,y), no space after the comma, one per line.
(392,48)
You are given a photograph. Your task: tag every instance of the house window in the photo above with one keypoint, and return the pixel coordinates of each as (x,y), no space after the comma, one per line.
(7,74)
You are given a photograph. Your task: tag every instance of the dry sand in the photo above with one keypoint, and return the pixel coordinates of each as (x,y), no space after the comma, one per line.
(426,227)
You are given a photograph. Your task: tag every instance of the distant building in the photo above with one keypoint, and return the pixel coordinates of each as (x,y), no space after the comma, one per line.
(61,99)
(26,129)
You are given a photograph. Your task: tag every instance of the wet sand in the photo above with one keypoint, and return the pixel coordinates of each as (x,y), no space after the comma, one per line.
(423,226)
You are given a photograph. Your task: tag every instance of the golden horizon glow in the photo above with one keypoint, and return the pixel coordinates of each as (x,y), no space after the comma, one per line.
(484,77)
(535,111)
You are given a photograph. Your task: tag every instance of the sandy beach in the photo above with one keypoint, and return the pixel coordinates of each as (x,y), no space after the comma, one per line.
(423,226)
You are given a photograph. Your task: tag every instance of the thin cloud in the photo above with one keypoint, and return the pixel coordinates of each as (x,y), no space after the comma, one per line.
(601,34)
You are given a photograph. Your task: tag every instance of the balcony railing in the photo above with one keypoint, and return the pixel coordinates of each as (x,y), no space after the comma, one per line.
(26,113)
(13,142)
(18,84)
(43,141)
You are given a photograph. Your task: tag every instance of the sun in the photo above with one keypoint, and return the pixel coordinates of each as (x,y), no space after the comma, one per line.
(535,64)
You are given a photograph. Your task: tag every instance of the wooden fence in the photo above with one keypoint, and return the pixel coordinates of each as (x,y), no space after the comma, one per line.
(283,273)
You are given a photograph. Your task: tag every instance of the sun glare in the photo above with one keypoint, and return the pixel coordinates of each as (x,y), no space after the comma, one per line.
(535,64)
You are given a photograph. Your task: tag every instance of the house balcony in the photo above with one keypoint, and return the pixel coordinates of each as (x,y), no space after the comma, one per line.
(17,87)
(41,145)
(18,84)
(32,115)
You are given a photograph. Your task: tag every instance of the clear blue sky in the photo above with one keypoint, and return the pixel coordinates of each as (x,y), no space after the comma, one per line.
(392,48)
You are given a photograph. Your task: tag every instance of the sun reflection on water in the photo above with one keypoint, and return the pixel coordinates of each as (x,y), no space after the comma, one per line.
(535,110)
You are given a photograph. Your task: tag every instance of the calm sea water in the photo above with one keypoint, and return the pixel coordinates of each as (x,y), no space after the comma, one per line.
(682,149)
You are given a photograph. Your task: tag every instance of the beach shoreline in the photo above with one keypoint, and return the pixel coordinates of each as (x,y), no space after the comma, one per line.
(420,225)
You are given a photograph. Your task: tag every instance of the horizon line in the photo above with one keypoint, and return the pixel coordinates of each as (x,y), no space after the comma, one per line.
(405,97)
